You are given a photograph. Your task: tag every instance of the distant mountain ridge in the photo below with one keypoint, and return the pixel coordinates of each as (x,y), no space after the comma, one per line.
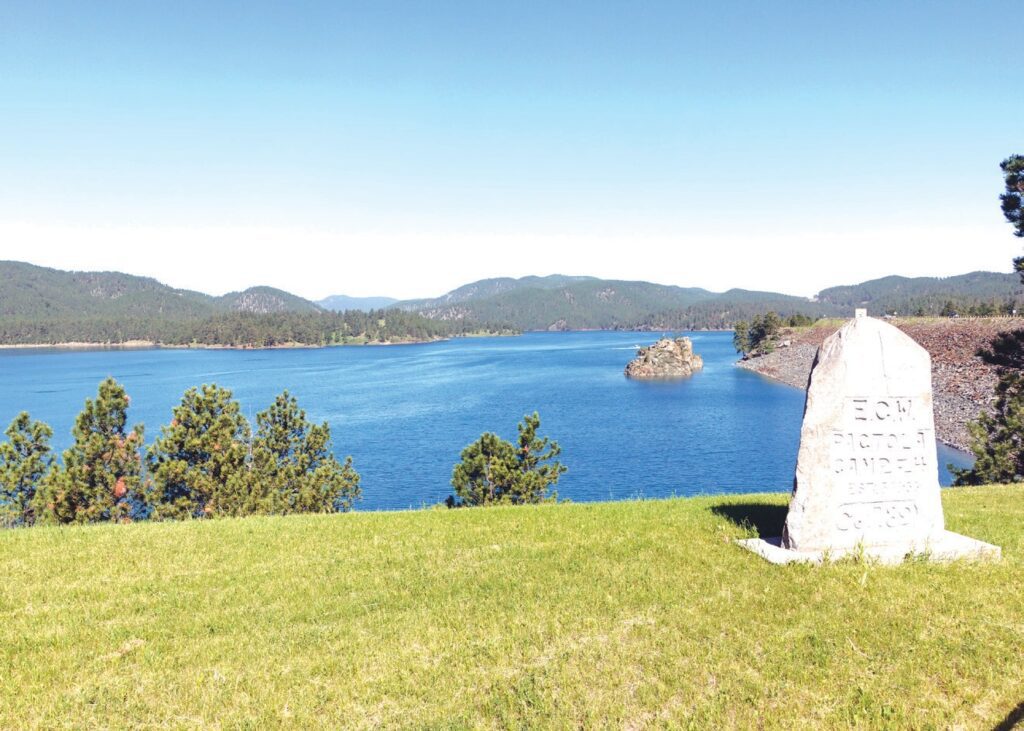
(907,294)
(555,302)
(28,291)
(39,304)
(341,302)
(560,302)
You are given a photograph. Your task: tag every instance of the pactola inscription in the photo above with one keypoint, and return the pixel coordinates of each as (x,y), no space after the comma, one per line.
(879,451)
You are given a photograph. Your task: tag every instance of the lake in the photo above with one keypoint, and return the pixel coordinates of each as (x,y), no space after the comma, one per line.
(405,412)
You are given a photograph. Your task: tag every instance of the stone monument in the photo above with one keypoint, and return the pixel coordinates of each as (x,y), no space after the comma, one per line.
(867,470)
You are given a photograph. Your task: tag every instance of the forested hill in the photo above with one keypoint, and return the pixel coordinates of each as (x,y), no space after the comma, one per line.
(341,302)
(33,292)
(571,303)
(41,305)
(557,302)
(928,295)
(580,303)
(48,306)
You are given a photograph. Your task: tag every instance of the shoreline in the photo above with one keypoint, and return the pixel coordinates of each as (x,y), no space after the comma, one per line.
(153,345)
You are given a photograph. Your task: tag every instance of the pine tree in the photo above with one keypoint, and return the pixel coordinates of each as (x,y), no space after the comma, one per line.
(1012,197)
(493,470)
(198,465)
(24,459)
(293,468)
(101,474)
(535,478)
(997,438)
(741,337)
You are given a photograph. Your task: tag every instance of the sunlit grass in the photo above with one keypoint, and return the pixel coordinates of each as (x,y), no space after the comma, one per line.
(624,615)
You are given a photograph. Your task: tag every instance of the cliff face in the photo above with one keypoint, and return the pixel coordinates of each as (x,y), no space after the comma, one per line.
(667,358)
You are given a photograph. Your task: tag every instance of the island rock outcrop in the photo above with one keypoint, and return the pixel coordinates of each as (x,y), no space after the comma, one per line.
(667,358)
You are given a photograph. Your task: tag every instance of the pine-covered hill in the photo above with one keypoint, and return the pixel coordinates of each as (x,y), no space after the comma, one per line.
(46,306)
(33,292)
(926,295)
(557,303)
(577,303)
(342,302)
(264,301)
(485,288)
(723,311)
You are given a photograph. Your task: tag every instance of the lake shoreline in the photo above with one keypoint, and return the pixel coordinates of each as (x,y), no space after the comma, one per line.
(153,345)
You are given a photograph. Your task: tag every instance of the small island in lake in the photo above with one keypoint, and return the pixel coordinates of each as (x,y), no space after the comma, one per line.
(667,358)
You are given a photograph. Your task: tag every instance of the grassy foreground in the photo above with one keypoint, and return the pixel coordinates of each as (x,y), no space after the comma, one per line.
(622,615)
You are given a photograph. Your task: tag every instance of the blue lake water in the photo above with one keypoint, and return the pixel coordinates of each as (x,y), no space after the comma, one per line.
(405,412)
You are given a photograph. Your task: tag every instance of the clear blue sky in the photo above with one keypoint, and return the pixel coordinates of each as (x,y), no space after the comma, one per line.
(405,148)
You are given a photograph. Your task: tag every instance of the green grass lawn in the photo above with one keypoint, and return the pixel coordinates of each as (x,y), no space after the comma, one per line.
(620,615)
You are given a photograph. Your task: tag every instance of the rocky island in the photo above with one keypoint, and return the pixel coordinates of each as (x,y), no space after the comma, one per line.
(667,358)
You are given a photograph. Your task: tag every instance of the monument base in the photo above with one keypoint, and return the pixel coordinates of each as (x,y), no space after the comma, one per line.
(949,547)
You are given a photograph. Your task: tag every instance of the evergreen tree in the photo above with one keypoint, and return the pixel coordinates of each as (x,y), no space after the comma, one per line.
(24,460)
(997,438)
(762,333)
(1012,197)
(198,465)
(494,470)
(101,472)
(293,468)
(741,337)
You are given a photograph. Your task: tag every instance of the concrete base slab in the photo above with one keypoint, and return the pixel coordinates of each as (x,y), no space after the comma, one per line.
(948,547)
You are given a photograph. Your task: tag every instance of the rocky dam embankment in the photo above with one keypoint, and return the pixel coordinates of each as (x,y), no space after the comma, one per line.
(962,383)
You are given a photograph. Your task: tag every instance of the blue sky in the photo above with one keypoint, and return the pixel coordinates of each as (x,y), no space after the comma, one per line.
(406,148)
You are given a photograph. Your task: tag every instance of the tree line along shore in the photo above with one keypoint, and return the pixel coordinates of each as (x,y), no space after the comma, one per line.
(239,330)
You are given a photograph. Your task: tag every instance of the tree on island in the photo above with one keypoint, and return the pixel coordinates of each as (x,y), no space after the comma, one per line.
(197,466)
(101,474)
(997,437)
(495,471)
(24,459)
(293,468)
